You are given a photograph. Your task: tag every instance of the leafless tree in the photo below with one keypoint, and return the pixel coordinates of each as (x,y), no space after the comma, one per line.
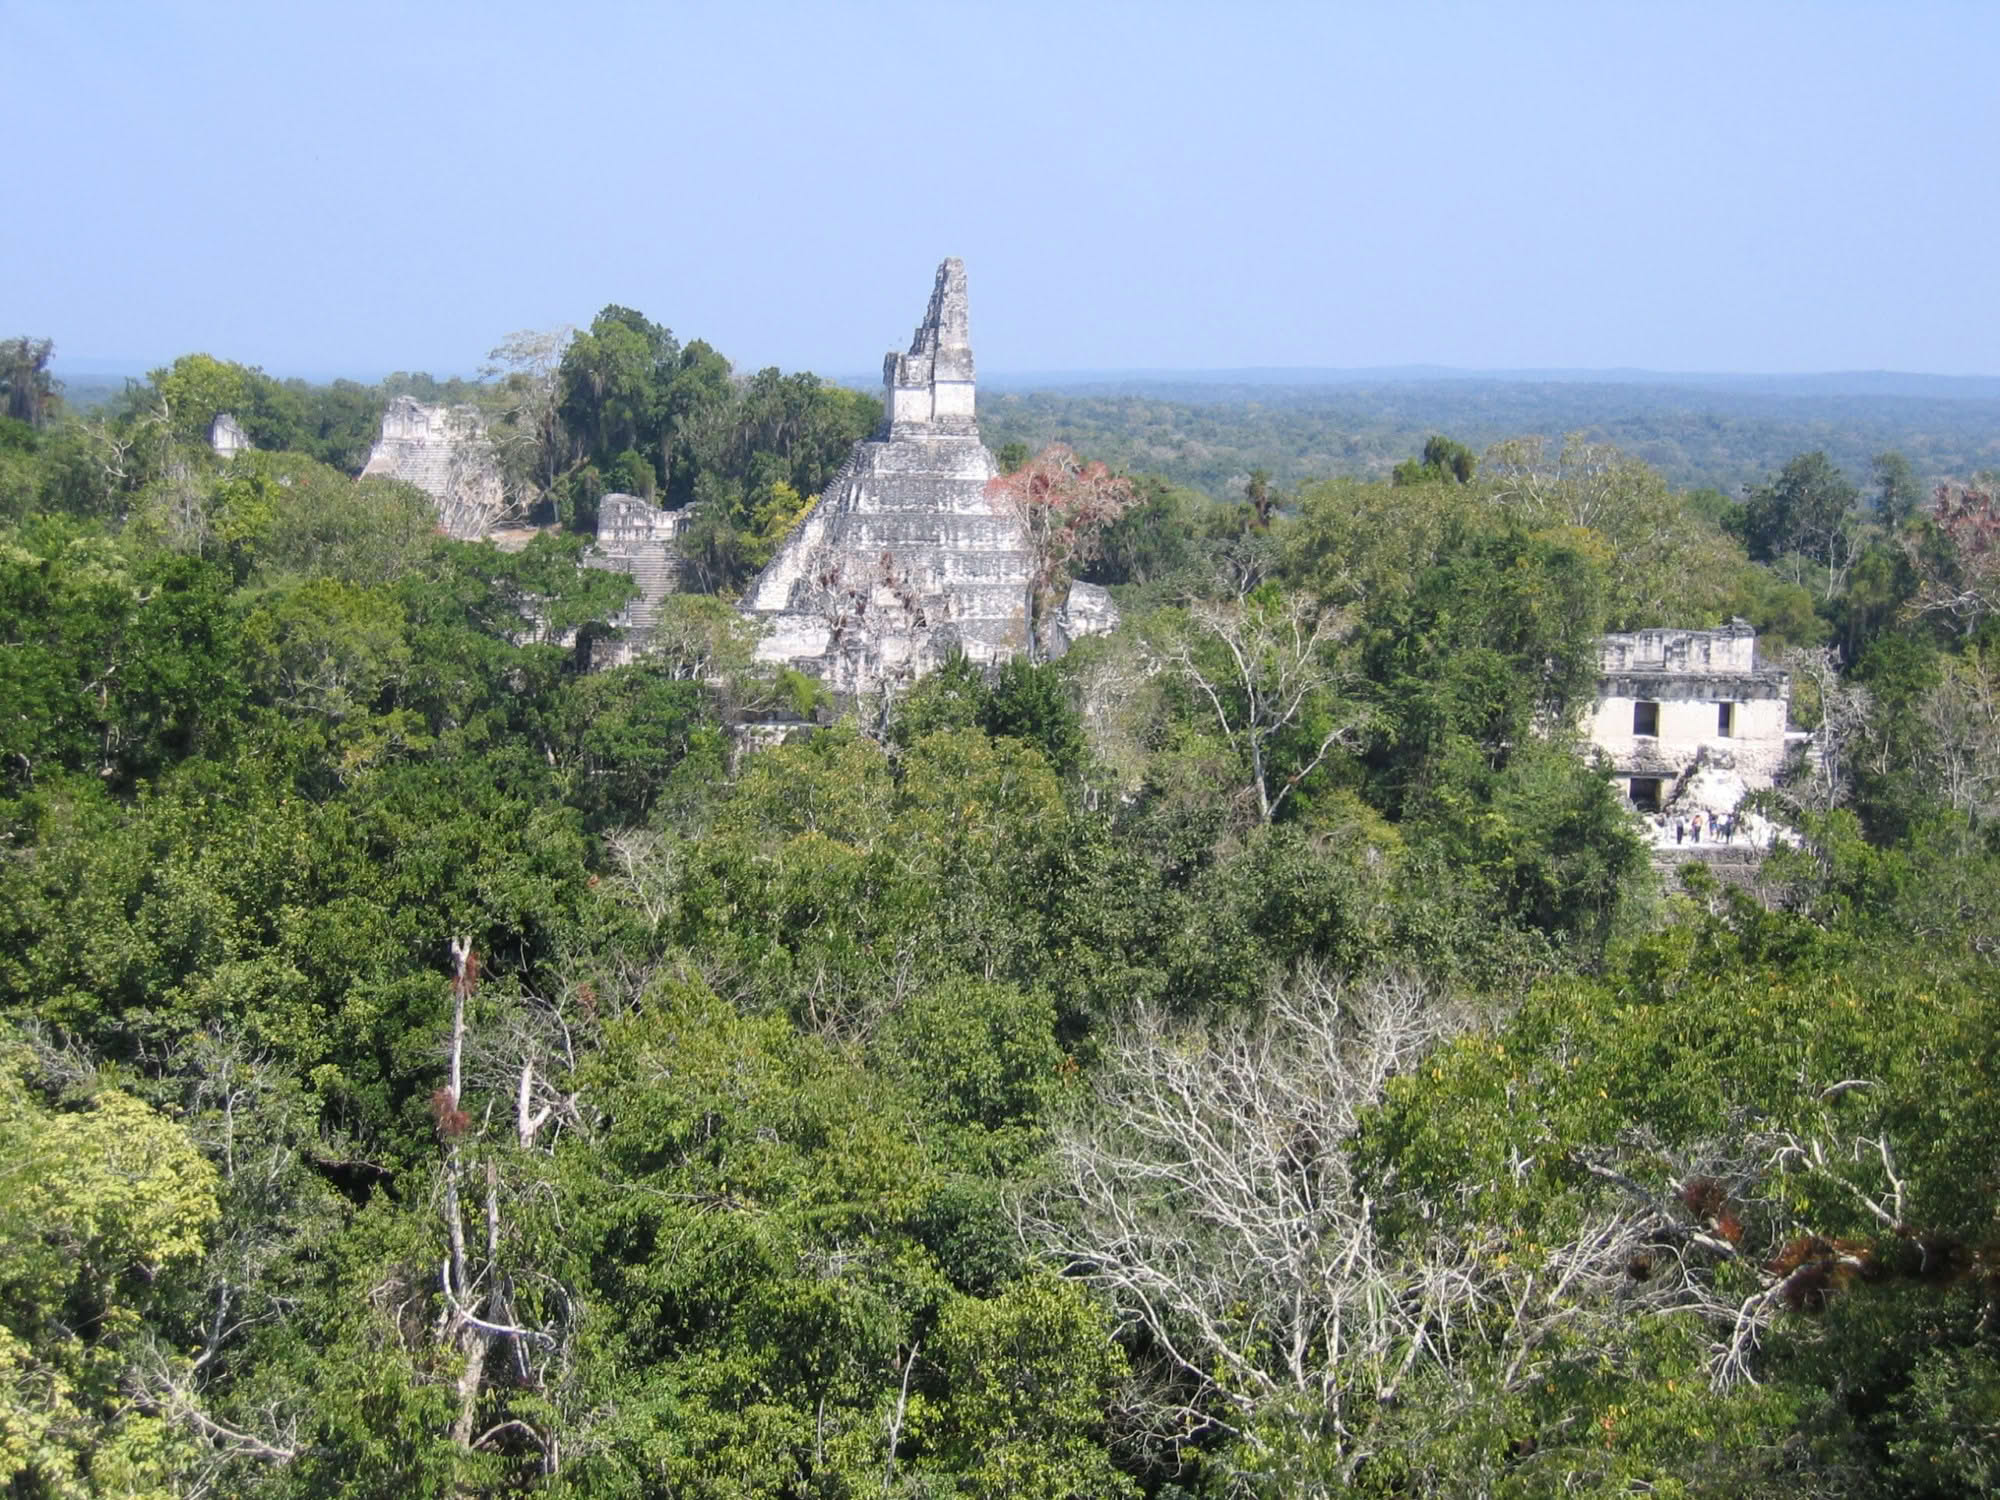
(483,485)
(1580,483)
(1957,556)
(516,1063)
(1265,666)
(1846,710)
(528,439)
(250,1120)
(1958,754)
(1207,1191)
(1684,1215)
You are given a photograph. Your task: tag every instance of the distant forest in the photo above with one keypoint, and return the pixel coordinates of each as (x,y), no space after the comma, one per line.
(1211,436)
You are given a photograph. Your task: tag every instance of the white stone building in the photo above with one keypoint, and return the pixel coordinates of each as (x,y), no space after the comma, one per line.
(1671,702)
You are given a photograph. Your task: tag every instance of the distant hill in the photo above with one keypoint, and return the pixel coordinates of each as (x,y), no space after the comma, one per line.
(85,389)
(1834,383)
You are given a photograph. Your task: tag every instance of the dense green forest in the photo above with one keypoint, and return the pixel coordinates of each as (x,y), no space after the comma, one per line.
(1249,1056)
(1211,436)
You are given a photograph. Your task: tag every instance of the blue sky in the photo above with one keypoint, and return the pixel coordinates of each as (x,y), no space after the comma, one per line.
(360,187)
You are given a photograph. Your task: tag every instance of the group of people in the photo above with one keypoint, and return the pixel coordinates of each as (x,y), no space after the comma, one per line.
(1721,827)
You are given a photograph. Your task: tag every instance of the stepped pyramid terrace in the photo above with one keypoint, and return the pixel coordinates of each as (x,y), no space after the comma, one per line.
(906,556)
(637,538)
(443,451)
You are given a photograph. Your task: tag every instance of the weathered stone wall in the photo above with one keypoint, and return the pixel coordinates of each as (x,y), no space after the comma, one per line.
(1087,611)
(932,388)
(443,451)
(1733,648)
(1689,729)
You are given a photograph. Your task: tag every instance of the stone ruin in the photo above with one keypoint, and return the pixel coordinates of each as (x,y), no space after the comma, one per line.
(227,437)
(637,538)
(906,557)
(1678,707)
(443,451)
(903,558)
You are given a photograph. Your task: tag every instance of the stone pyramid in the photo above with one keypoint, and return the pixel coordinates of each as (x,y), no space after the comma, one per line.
(444,452)
(905,556)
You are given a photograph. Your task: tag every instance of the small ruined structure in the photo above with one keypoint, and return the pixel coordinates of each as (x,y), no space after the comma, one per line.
(443,451)
(906,556)
(636,537)
(1675,704)
(227,437)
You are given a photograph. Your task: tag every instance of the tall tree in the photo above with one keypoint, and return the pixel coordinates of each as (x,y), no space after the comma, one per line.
(1897,491)
(194,390)
(1807,510)
(1262,499)
(612,382)
(1264,668)
(1444,461)
(529,439)
(1064,503)
(25,380)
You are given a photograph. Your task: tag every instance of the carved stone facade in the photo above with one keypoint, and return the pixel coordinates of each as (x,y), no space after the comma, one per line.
(443,451)
(1671,703)
(636,537)
(906,556)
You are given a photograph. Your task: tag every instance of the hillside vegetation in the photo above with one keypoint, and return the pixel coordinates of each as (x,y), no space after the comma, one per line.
(1250,1056)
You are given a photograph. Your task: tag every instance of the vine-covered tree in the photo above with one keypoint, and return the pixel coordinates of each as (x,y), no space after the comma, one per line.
(25,383)
(1064,504)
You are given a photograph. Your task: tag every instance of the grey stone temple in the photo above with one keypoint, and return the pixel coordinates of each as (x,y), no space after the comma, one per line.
(907,557)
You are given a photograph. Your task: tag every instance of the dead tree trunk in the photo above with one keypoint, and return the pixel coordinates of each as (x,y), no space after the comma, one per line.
(478,1314)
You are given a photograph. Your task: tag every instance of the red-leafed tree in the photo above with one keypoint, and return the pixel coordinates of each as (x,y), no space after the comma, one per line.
(1064,503)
